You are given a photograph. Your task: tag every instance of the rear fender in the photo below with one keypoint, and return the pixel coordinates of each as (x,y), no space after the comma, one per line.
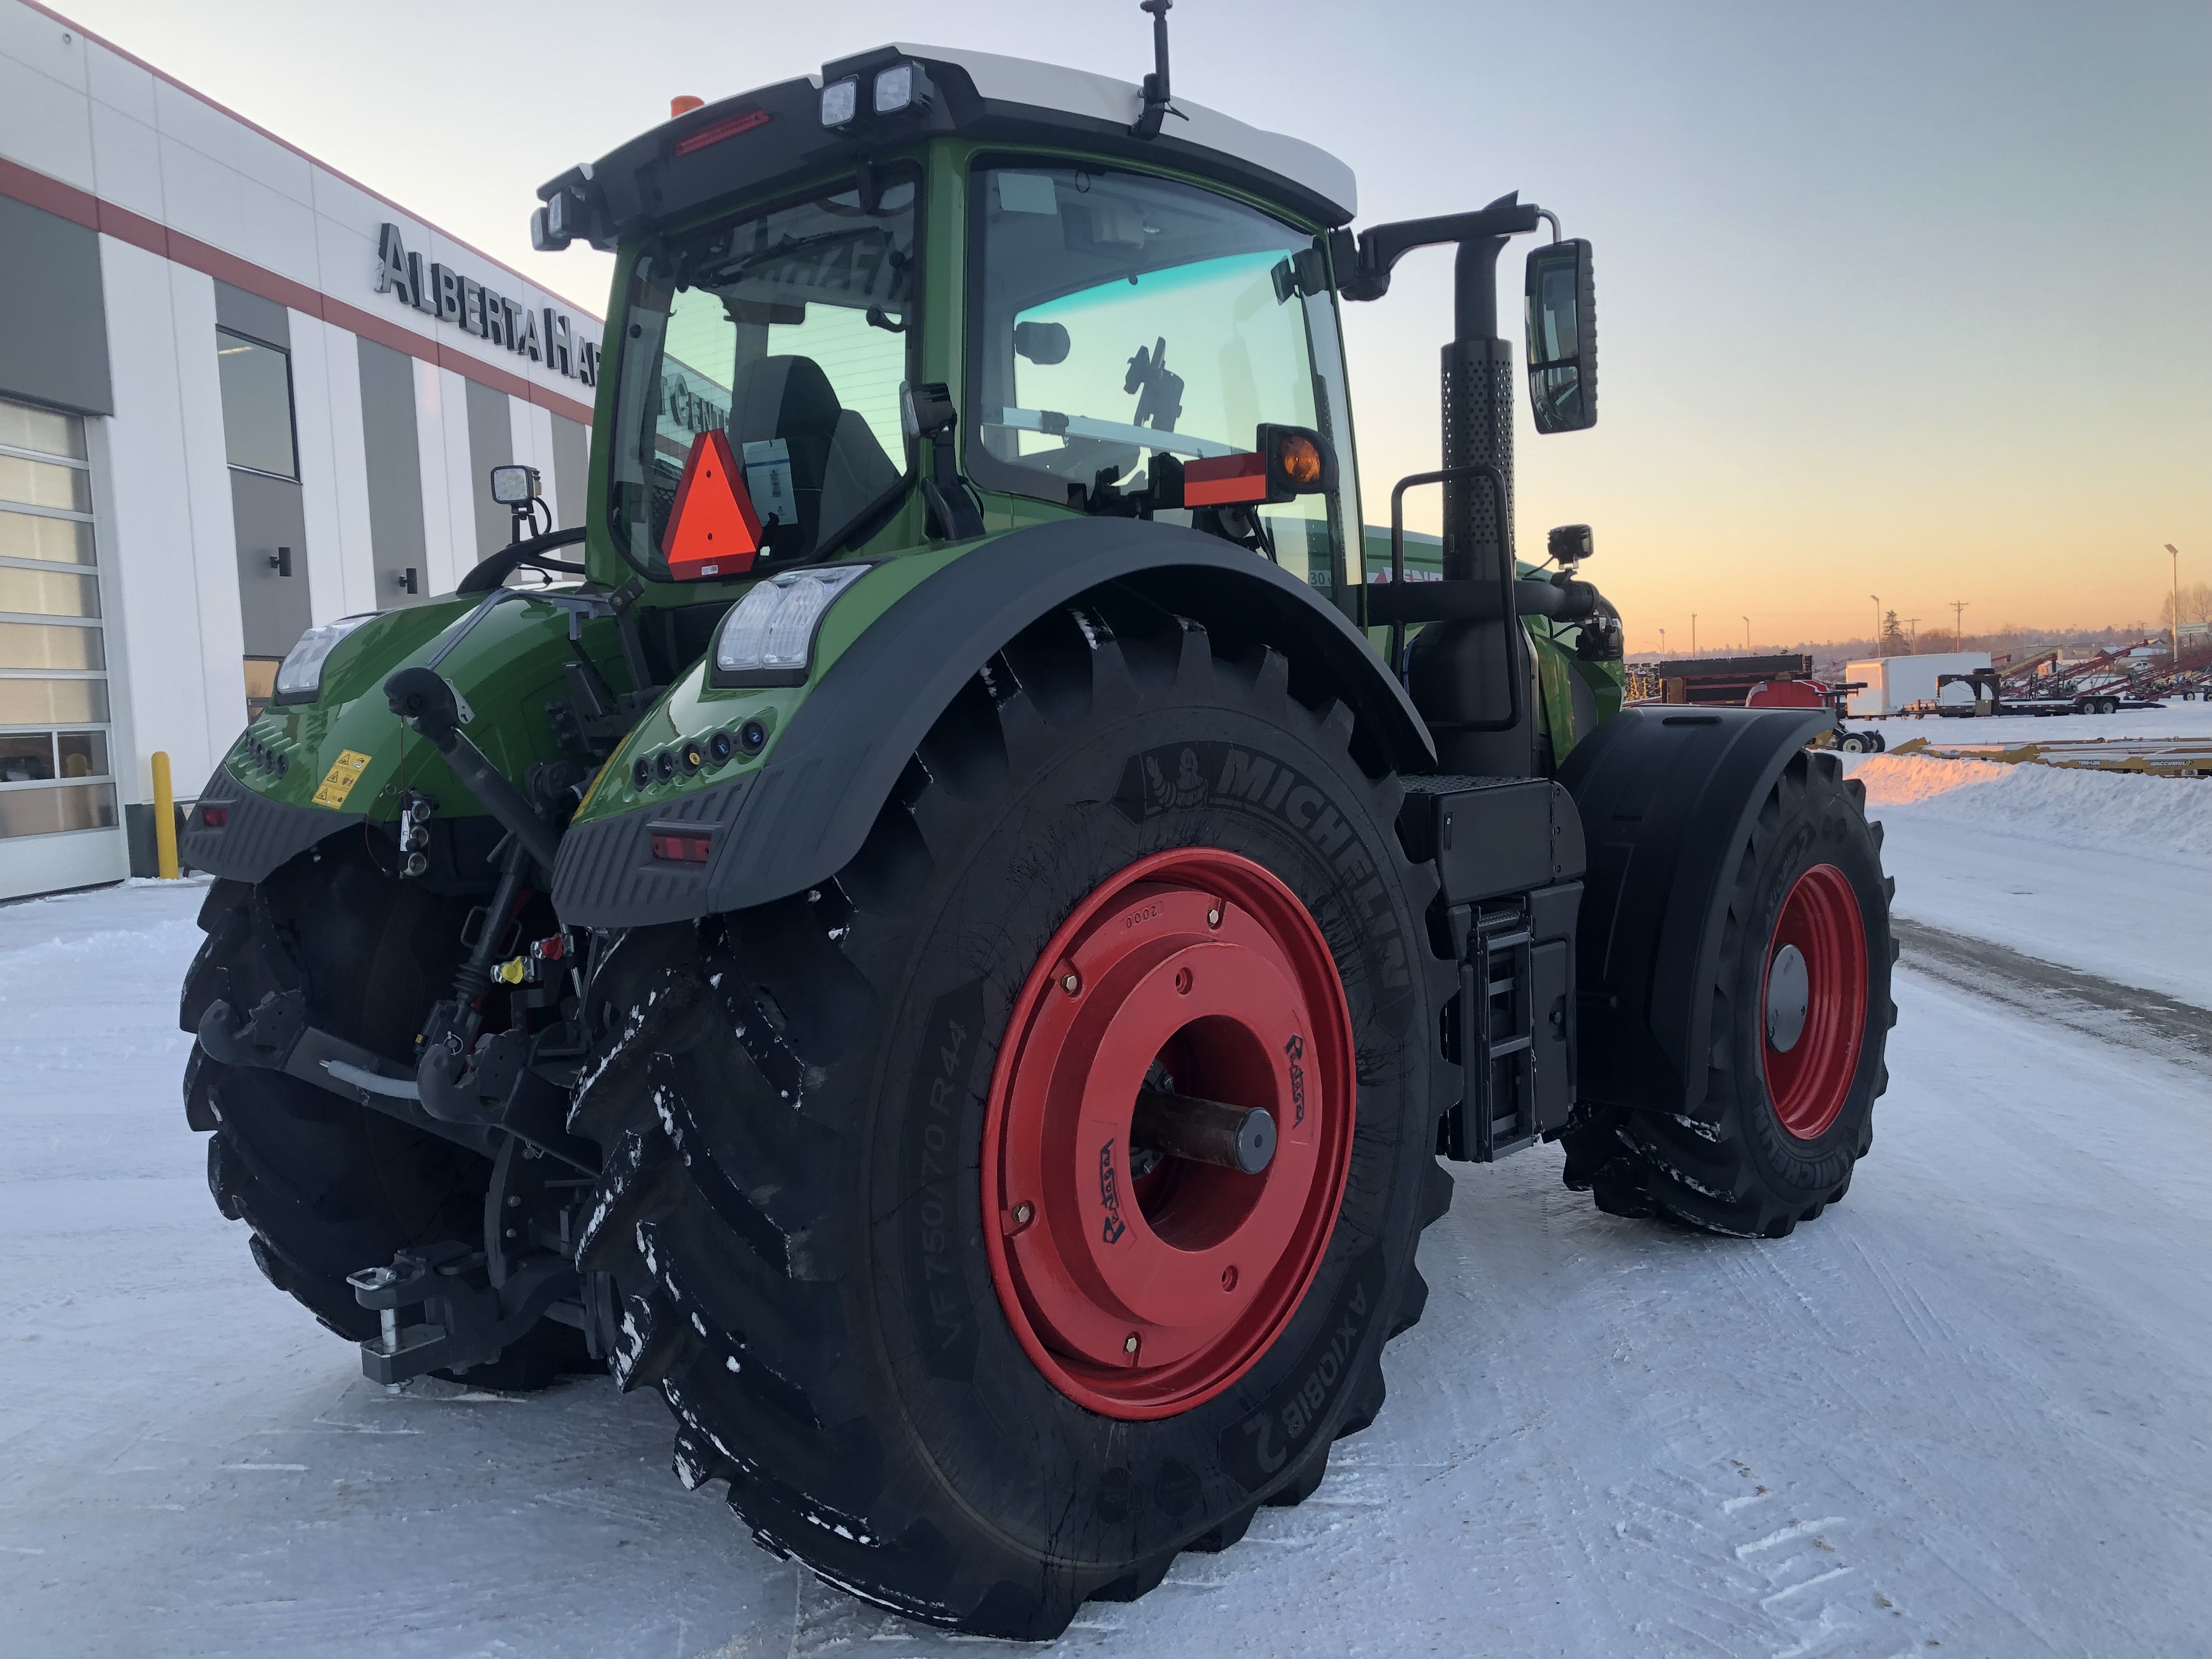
(1667,797)
(803,813)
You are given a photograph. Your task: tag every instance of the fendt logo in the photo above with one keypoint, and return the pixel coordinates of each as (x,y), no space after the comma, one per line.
(1109,1197)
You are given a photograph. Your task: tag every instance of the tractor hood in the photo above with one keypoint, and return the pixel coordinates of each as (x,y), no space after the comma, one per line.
(776,135)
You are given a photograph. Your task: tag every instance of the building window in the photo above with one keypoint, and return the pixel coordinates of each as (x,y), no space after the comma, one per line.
(256,405)
(56,772)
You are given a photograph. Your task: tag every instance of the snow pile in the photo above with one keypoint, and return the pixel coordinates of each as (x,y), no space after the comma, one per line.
(2169,819)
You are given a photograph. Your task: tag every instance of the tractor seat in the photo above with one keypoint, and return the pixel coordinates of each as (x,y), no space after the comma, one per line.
(839,472)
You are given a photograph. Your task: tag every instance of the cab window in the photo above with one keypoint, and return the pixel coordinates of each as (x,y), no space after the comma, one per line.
(1121,316)
(789,331)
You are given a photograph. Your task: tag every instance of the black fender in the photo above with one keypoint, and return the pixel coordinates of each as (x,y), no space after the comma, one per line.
(238,833)
(803,815)
(1668,795)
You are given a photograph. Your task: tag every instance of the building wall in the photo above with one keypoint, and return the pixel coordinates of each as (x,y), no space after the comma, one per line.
(136,216)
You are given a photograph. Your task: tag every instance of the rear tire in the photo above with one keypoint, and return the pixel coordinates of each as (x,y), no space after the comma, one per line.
(794,1103)
(326,1186)
(1779,1129)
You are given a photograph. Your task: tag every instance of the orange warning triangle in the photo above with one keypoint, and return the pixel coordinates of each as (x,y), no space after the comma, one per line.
(713,530)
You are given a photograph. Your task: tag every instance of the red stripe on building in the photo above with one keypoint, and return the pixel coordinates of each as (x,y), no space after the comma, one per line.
(66,201)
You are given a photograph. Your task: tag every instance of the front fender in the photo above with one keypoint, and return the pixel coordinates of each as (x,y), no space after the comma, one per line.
(301,772)
(1668,795)
(802,814)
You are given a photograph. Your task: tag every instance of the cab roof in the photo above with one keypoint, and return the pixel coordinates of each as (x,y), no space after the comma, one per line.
(757,139)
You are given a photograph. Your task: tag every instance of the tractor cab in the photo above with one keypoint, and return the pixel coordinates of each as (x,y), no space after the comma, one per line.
(832,278)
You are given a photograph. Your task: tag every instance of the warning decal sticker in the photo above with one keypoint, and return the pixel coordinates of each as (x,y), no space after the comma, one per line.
(337,782)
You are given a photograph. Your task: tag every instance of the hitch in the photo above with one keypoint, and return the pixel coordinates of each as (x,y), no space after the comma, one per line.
(458,1318)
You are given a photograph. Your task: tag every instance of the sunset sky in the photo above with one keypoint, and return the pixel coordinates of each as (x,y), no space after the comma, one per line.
(1906,299)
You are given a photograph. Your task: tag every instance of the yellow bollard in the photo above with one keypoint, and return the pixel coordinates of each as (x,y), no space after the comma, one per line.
(165,819)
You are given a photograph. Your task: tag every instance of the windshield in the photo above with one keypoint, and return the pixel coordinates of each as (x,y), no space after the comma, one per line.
(788,331)
(1121,316)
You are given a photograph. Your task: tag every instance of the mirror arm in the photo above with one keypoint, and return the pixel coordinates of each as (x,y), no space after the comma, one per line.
(1552,218)
(1363,262)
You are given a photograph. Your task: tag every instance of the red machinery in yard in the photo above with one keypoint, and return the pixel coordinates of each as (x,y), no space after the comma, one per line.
(1782,680)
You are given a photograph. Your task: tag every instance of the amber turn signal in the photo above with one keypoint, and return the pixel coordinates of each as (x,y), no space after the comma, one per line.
(1300,459)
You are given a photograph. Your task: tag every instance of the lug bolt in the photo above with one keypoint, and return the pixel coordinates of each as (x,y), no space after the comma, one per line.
(1022,1214)
(1129,1344)
(1213,918)
(1070,984)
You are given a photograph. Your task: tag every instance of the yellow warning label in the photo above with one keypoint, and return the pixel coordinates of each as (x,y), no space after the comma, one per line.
(337,782)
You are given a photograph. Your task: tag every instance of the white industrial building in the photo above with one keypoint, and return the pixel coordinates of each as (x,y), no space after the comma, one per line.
(239,394)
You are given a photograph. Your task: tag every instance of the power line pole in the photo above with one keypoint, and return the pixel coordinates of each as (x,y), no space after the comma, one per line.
(1913,622)
(1693,633)
(1958,623)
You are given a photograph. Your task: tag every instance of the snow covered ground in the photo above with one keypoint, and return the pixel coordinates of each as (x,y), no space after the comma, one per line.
(2108,873)
(1964,1414)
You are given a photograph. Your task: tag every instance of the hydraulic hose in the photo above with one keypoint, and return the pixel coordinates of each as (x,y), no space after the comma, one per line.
(426,700)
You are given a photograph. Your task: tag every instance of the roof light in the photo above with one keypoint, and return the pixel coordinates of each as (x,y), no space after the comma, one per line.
(841,101)
(683,104)
(729,127)
(902,86)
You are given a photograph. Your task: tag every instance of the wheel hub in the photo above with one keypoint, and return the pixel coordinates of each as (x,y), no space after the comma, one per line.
(1788,992)
(1168,1133)
(1814,999)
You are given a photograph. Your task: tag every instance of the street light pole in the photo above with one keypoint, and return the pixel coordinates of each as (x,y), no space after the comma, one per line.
(2175,617)
(1693,633)
(1878,651)
(1747,636)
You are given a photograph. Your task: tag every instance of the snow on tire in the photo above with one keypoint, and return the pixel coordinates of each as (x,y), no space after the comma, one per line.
(329,1187)
(799,1213)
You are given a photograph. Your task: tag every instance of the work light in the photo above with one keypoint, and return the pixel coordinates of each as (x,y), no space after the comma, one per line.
(841,101)
(902,86)
(300,679)
(767,638)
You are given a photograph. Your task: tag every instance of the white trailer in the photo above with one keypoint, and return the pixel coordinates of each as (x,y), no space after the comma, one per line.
(1892,683)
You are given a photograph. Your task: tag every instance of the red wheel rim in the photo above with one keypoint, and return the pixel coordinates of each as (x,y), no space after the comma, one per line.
(1810,1068)
(1143,1297)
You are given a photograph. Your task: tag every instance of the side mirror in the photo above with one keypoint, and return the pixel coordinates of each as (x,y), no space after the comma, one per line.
(514,486)
(1562,338)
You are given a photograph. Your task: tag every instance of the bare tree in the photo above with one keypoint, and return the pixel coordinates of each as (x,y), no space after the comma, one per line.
(2196,605)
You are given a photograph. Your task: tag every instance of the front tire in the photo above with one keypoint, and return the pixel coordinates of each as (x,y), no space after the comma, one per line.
(808,1210)
(328,1186)
(1800,1011)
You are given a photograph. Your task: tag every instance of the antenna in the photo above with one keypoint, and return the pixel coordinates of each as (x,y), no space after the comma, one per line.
(1156,108)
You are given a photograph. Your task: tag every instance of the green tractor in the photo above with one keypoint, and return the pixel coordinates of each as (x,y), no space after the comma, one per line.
(950,938)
